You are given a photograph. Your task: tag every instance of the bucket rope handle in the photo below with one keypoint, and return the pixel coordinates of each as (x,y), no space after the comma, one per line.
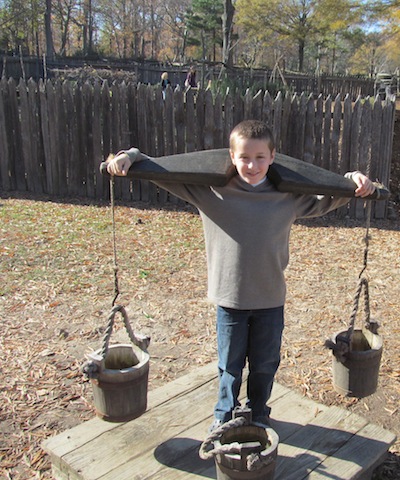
(92,367)
(254,461)
(343,342)
(141,341)
(216,434)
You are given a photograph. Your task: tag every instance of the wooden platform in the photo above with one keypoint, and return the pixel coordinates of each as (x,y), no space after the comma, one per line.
(316,441)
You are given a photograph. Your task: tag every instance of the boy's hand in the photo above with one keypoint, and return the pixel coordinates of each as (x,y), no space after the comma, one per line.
(118,165)
(364,185)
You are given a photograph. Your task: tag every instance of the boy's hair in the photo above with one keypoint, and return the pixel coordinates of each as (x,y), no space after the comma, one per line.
(252,129)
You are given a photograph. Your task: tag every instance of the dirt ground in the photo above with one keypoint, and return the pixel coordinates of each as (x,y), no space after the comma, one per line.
(57,286)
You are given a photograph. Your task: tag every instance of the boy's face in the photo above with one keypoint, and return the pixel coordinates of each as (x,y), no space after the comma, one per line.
(252,158)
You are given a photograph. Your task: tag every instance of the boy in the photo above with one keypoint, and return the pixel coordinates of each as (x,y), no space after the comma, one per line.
(246,226)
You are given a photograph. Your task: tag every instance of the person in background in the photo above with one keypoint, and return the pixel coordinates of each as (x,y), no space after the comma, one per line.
(164,83)
(190,81)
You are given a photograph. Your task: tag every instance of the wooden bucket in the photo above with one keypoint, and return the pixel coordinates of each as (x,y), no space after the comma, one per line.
(356,374)
(119,375)
(357,353)
(120,390)
(234,466)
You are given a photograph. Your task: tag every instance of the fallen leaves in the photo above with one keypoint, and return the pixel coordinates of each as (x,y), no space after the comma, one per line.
(57,260)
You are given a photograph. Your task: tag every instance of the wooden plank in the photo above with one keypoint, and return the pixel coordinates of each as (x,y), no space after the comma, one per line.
(79,159)
(238,112)
(336,123)
(152,138)
(309,140)
(228,118)
(62,137)
(301,125)
(124,132)
(71,146)
(53,118)
(214,167)
(319,120)
(158,115)
(163,444)
(87,138)
(218,122)
(387,125)
(98,458)
(364,450)
(312,444)
(283,144)
(180,452)
(134,132)
(36,161)
(247,103)
(5,178)
(208,132)
(46,137)
(277,123)
(256,107)
(346,143)
(190,121)
(97,141)
(83,433)
(15,138)
(158,130)
(266,115)
(326,152)
(179,119)
(115,132)
(169,120)
(291,411)
(354,149)
(26,136)
(292,132)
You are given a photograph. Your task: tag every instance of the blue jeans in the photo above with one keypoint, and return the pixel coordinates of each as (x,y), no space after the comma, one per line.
(255,335)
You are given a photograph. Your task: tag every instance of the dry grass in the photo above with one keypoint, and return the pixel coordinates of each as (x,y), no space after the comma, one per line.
(56,291)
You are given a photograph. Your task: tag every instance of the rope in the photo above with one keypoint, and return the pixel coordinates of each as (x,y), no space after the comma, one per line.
(115,264)
(92,368)
(254,461)
(366,239)
(140,341)
(216,435)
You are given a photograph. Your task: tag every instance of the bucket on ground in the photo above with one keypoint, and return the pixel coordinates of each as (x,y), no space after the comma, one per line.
(119,375)
(241,449)
(257,444)
(356,374)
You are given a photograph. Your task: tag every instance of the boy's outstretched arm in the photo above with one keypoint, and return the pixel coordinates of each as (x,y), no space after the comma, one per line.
(365,186)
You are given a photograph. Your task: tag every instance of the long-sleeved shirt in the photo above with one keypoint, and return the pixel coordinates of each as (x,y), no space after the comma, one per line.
(246,231)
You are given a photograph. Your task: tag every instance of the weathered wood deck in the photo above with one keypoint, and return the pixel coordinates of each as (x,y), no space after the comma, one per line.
(316,441)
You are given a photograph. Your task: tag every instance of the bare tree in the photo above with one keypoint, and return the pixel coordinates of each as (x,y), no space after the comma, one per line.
(227,27)
(49,31)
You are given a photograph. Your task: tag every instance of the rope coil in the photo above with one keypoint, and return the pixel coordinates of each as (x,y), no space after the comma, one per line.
(254,460)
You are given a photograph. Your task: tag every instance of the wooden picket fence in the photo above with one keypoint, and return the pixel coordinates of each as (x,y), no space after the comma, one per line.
(54,135)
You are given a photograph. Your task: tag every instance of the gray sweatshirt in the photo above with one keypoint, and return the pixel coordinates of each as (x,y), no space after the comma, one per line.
(246,233)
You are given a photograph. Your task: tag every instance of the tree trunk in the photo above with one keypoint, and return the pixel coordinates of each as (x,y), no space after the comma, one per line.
(301,54)
(49,33)
(227,24)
